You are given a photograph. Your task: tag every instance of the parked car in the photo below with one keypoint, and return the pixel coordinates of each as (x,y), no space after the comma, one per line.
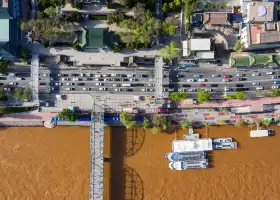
(256,83)
(275,87)
(65,79)
(202,80)
(81,84)
(276,82)
(86,89)
(229,89)
(241,75)
(227,76)
(275,77)
(226,80)
(197,76)
(102,89)
(182,90)
(269,73)
(186,85)
(118,89)
(259,88)
(242,79)
(256,74)
(192,90)
(70,83)
(216,75)
(151,84)
(190,80)
(58,84)
(69,88)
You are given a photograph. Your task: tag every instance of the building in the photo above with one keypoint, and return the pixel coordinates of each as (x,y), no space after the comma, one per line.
(9,33)
(216,19)
(199,48)
(260,29)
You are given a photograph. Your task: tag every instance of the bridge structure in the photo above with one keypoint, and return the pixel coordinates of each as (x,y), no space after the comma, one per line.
(97,151)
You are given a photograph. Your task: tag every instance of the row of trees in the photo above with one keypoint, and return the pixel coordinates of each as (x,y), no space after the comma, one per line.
(23,94)
(215,5)
(202,96)
(68,115)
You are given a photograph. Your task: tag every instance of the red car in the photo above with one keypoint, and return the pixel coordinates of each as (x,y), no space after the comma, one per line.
(162,110)
(201,84)
(226,76)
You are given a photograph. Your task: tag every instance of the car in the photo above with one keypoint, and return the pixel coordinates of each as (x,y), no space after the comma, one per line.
(269,73)
(165,89)
(97,75)
(180,76)
(202,80)
(208,89)
(214,85)
(275,77)
(182,90)
(190,80)
(46,75)
(144,89)
(74,74)
(69,89)
(242,89)
(4,74)
(19,78)
(186,85)
(105,75)
(65,75)
(118,89)
(107,79)
(216,75)
(125,79)
(201,84)
(113,74)
(240,75)
(122,75)
(80,84)
(131,75)
(259,88)
(227,76)
(128,89)
(192,90)
(276,82)
(275,87)
(3,78)
(88,74)
(76,79)
(151,90)
(42,84)
(197,76)
(58,84)
(256,74)
(229,89)
(115,79)
(171,90)
(212,62)
(13,83)
(7,89)
(102,89)
(116,85)
(242,79)
(89,79)
(65,79)
(99,79)
(99,84)
(82,74)
(144,75)
(226,80)
(151,84)
(133,79)
(70,83)
(86,89)
(256,83)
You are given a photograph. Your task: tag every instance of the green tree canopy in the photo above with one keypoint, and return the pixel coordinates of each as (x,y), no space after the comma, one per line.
(224,4)
(160,121)
(203,96)
(115,17)
(185,124)
(239,95)
(127,120)
(176,96)
(24,52)
(68,115)
(274,92)
(156,130)
(3,66)
(170,51)
(146,123)
(26,94)
(229,96)
(168,27)
(18,93)
(2,93)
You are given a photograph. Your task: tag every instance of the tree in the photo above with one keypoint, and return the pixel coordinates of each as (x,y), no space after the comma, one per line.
(238,47)
(229,96)
(2,110)
(77,47)
(274,92)
(203,96)
(156,130)
(18,93)
(239,123)
(26,94)
(222,122)
(168,27)
(266,123)
(77,5)
(177,3)
(171,5)
(127,120)
(216,5)
(115,17)
(2,93)
(68,115)
(224,4)
(24,52)
(170,51)
(164,7)
(3,66)
(239,95)
(176,96)
(146,123)
(160,121)
(185,124)
(208,5)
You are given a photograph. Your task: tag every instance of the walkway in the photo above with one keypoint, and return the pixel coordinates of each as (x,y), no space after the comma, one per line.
(158,77)
(35,79)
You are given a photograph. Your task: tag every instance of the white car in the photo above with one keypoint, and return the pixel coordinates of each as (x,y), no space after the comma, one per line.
(208,89)
(256,83)
(190,80)
(116,85)
(151,90)
(58,84)
(215,75)
(192,90)
(75,79)
(70,83)
(151,84)
(182,90)
(46,75)
(241,75)
(70,89)
(18,79)
(12,83)
(259,88)
(102,88)
(130,75)
(99,84)
(58,74)
(171,90)
(269,73)
(275,87)
(118,89)
(105,75)
(144,89)
(97,76)
(86,89)
(66,79)
(256,74)
(226,80)
(202,80)
(82,74)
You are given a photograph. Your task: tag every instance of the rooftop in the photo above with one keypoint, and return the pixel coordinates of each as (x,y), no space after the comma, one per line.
(258,11)
(200,44)
(216,18)
(98,38)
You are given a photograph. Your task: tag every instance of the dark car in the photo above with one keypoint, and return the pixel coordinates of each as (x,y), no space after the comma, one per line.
(42,84)
(239,85)
(242,79)
(242,89)
(186,85)
(75,74)
(89,79)
(81,84)
(214,85)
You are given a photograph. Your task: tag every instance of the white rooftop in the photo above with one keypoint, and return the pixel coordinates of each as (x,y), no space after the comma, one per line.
(186,145)
(200,44)
(5,30)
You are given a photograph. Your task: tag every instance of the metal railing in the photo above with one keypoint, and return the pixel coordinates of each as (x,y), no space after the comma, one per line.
(97,151)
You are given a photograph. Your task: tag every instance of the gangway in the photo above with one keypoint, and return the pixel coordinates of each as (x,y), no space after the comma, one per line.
(96,151)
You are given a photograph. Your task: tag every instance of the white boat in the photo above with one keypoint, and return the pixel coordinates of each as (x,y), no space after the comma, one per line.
(186,156)
(221,140)
(188,165)
(225,145)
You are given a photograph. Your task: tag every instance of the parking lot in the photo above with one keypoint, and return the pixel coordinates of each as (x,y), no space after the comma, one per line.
(10,81)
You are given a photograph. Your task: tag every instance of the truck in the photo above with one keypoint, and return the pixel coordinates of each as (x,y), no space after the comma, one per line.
(261,133)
